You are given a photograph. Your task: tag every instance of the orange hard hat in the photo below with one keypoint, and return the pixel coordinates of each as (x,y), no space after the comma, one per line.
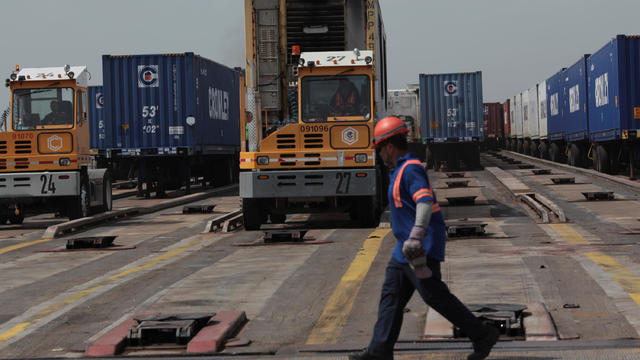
(387,128)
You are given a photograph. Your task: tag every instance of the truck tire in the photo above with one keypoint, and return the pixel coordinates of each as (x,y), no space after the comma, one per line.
(80,205)
(554,153)
(602,159)
(253,214)
(16,219)
(277,218)
(544,151)
(366,212)
(574,155)
(107,196)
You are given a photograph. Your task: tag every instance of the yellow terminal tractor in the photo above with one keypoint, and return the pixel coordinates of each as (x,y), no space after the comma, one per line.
(44,153)
(312,102)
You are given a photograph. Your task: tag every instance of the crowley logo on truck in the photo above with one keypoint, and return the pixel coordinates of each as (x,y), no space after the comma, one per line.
(350,136)
(147,75)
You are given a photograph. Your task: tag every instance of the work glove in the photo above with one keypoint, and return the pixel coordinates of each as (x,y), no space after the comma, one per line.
(413,251)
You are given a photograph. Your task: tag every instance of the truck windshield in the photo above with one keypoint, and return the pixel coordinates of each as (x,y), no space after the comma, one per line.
(42,109)
(336,98)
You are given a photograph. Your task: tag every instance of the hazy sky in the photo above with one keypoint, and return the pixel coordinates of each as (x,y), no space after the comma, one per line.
(516,43)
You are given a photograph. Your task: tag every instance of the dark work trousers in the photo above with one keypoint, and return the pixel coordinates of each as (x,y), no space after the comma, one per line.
(399,284)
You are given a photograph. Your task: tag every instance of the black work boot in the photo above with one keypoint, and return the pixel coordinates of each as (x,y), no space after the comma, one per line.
(482,346)
(369,355)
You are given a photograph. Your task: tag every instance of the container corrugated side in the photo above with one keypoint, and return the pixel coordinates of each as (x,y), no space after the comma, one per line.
(512,117)
(534,125)
(162,102)
(451,107)
(493,120)
(525,114)
(614,88)
(575,122)
(518,115)
(507,117)
(555,111)
(96,113)
(542,109)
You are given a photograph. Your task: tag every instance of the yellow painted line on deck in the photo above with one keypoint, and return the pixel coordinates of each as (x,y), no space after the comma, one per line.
(17,329)
(13,331)
(619,273)
(21,245)
(569,233)
(629,282)
(334,316)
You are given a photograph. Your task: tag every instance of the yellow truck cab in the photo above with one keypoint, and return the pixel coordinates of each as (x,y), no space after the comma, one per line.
(44,153)
(316,85)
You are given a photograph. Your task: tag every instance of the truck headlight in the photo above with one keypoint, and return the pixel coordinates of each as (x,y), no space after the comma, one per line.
(360,158)
(263,160)
(64,162)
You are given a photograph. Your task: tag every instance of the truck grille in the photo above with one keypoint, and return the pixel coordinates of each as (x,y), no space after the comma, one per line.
(22,163)
(3,147)
(286,141)
(313,141)
(316,14)
(22,146)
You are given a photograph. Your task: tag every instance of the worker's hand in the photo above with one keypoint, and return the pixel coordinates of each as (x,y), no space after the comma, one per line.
(412,247)
(420,268)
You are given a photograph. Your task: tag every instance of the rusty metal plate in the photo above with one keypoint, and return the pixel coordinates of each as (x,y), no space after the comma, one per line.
(198,209)
(564,180)
(598,195)
(95,242)
(167,328)
(462,200)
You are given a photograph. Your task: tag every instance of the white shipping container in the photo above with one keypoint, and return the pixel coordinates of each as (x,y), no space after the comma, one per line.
(404,103)
(542,109)
(512,117)
(519,117)
(534,130)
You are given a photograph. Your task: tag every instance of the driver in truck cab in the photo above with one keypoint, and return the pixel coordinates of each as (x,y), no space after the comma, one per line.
(346,100)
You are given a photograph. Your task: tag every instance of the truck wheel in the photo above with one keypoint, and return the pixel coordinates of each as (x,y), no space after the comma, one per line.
(253,215)
(543,151)
(16,219)
(367,212)
(554,153)
(107,198)
(80,206)
(574,155)
(602,159)
(278,218)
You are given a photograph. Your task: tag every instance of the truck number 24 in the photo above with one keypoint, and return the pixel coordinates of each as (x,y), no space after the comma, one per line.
(47,184)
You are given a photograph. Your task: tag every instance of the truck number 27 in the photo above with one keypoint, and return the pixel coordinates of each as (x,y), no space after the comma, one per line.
(47,184)
(343,182)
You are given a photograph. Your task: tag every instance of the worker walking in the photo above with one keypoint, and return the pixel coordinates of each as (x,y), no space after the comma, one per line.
(418,225)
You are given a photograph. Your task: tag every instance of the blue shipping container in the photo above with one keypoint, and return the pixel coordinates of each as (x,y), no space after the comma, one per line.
(451,107)
(575,122)
(555,101)
(614,89)
(96,117)
(160,104)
